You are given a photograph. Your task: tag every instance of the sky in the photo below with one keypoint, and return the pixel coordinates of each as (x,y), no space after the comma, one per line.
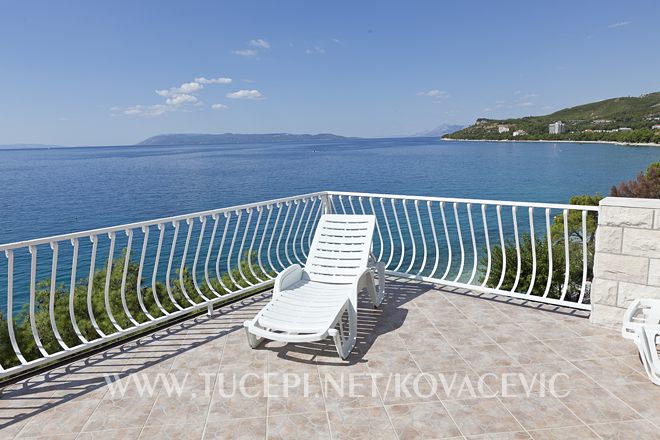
(116,72)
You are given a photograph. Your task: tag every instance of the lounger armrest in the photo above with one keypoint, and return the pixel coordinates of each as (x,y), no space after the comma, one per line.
(361,281)
(287,277)
(629,326)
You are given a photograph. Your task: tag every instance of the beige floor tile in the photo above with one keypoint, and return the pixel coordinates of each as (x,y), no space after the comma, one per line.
(614,344)
(295,400)
(485,356)
(642,397)
(571,433)
(578,349)
(350,391)
(113,434)
(503,331)
(119,413)
(179,410)
(596,405)
(310,426)
(610,372)
(530,353)
(367,423)
(458,336)
(446,359)
(384,342)
(397,362)
(509,381)
(422,420)
(236,429)
(540,412)
(501,436)
(482,416)
(172,432)
(548,329)
(407,388)
(560,376)
(65,418)
(635,430)
(243,403)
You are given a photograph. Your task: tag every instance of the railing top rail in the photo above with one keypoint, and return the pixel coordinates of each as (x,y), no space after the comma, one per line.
(473,201)
(99,231)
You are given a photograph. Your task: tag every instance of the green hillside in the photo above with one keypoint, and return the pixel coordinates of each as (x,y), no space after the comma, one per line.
(597,121)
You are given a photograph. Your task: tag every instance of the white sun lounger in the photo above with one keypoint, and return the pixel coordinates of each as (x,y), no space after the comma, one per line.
(641,324)
(309,303)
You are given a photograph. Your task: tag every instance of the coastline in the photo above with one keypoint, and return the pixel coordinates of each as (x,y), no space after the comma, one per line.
(623,144)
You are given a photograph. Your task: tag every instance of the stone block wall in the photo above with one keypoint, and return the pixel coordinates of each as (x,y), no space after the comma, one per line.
(627,260)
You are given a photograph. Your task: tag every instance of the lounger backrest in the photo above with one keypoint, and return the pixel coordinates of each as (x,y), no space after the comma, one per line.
(340,249)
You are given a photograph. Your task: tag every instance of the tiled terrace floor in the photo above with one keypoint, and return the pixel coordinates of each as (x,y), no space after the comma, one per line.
(419,328)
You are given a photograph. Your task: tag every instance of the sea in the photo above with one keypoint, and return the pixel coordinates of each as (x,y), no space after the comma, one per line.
(52,191)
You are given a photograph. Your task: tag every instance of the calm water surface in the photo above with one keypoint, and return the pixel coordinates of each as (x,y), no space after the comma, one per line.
(52,191)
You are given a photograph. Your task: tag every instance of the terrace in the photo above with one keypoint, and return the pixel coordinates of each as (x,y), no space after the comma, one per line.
(471,341)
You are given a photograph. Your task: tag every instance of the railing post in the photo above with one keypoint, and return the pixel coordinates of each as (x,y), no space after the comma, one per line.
(627,257)
(327,203)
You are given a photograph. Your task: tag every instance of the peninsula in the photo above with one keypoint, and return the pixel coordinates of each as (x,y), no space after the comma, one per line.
(634,120)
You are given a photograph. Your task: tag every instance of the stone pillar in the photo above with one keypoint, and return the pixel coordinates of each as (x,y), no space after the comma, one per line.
(627,260)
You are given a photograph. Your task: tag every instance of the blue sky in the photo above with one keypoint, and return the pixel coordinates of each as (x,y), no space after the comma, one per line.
(115,72)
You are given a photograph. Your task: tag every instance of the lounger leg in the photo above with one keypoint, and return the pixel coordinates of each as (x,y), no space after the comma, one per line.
(253,340)
(345,343)
(377,295)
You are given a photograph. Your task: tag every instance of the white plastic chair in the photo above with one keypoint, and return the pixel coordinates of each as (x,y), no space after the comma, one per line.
(309,303)
(641,324)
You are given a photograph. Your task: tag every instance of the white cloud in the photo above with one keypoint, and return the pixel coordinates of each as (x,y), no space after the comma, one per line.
(245,94)
(221,80)
(190,87)
(246,53)
(219,107)
(525,104)
(619,24)
(435,93)
(147,110)
(260,43)
(316,50)
(181,98)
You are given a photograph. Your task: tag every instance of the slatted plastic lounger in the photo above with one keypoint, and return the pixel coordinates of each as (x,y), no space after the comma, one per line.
(641,324)
(308,303)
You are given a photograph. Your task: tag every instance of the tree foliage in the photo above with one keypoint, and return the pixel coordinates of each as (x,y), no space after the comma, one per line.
(536,249)
(181,291)
(646,185)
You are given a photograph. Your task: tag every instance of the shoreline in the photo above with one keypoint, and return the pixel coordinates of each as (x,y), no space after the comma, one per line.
(623,144)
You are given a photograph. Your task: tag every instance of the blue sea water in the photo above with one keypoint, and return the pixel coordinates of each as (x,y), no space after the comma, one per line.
(52,191)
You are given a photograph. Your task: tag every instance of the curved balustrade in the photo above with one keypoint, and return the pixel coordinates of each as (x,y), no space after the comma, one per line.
(536,251)
(68,293)
(71,292)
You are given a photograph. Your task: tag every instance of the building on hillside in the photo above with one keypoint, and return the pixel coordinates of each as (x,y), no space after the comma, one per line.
(625,129)
(519,133)
(656,127)
(557,128)
(502,129)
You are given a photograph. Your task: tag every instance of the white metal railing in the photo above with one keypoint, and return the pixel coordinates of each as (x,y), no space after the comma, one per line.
(484,245)
(73,292)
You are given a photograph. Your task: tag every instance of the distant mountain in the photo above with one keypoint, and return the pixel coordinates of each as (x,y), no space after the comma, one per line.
(235,138)
(625,119)
(440,130)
